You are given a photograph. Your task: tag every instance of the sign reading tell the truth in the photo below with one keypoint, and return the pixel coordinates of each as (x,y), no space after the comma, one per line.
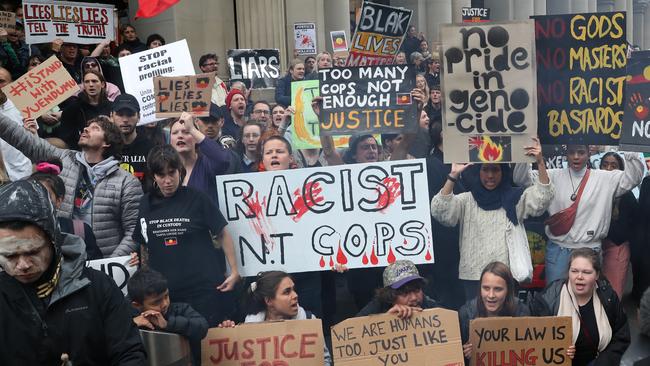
(369,99)
(520,340)
(41,88)
(430,337)
(300,220)
(178,94)
(290,342)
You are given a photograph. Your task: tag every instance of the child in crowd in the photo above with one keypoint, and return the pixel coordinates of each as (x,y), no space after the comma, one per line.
(149,295)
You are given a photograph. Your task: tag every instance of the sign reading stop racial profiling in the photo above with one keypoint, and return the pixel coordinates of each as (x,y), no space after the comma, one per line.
(488,80)
(369,99)
(300,220)
(520,341)
(430,337)
(379,34)
(636,122)
(581,62)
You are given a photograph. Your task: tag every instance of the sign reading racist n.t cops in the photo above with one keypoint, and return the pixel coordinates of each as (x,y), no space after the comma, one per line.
(368,100)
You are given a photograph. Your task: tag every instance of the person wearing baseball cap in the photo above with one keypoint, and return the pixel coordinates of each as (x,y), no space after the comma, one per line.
(402,293)
(51,302)
(126,115)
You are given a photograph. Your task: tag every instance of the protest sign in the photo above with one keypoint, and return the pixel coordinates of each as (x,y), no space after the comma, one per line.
(521,340)
(636,117)
(379,34)
(261,66)
(475,15)
(289,342)
(139,70)
(360,215)
(42,88)
(178,94)
(82,23)
(304,35)
(117,268)
(581,62)
(369,99)
(385,339)
(488,80)
(339,43)
(7,20)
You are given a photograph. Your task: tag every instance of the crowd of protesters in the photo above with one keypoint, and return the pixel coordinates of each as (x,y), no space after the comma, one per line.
(86,168)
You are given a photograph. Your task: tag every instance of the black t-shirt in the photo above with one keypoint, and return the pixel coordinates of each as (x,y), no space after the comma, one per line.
(134,159)
(177,232)
(588,338)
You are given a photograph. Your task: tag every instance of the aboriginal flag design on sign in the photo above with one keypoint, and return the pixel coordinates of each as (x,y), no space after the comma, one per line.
(403,98)
(170,242)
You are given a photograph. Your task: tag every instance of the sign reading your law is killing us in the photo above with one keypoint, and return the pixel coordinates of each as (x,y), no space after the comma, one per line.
(488,78)
(360,215)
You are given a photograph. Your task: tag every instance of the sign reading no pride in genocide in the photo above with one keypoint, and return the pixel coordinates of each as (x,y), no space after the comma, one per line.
(520,340)
(299,220)
(41,89)
(83,23)
(117,268)
(369,99)
(290,342)
(178,94)
(139,70)
(430,337)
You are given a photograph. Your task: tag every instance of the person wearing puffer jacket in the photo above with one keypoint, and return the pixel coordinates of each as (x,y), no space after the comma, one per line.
(98,192)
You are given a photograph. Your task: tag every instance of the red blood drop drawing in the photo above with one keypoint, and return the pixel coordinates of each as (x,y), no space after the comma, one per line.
(364,259)
(428,255)
(391,256)
(312,197)
(331,262)
(340,256)
(322,262)
(373,257)
(388,193)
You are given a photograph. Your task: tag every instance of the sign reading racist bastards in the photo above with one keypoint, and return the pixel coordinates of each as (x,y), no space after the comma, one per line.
(488,80)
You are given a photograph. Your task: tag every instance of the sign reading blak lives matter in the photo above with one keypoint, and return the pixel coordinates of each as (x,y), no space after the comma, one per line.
(41,88)
(520,340)
(300,220)
(581,62)
(636,120)
(430,337)
(83,23)
(379,34)
(178,94)
(290,342)
(488,79)
(140,69)
(260,66)
(368,99)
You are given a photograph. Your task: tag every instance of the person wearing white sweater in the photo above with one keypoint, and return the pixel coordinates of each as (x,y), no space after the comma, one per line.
(594,208)
(491,214)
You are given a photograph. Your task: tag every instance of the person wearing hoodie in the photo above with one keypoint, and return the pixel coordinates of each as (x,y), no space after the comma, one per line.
(92,63)
(273,297)
(98,192)
(55,308)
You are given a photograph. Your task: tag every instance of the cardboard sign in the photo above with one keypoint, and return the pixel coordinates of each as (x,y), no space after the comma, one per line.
(370,99)
(178,94)
(290,342)
(430,337)
(339,43)
(7,20)
(117,268)
(636,118)
(379,34)
(260,66)
(42,88)
(304,35)
(140,69)
(488,79)
(81,23)
(360,215)
(581,62)
(520,341)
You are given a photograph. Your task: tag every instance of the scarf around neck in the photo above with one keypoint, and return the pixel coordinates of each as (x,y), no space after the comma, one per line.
(569,307)
(503,196)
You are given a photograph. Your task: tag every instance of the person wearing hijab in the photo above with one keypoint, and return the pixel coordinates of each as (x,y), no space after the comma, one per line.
(490,214)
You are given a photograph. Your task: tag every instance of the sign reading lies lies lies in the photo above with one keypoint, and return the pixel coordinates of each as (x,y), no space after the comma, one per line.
(299,220)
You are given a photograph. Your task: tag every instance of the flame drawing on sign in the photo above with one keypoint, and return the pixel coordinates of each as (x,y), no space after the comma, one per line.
(488,150)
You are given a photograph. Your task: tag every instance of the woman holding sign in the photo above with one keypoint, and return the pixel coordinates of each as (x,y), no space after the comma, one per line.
(491,215)
(601,333)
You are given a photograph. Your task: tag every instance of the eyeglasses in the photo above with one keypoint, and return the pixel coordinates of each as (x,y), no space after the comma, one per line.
(261,111)
(91,64)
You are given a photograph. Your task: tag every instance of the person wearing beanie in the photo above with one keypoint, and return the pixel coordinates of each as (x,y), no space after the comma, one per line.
(236,106)
(51,302)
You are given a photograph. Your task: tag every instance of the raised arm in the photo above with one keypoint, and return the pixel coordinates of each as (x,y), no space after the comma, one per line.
(31,146)
(327,142)
(401,150)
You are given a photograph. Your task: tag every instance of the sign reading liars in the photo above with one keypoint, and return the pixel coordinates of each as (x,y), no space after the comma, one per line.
(361,215)
(490,111)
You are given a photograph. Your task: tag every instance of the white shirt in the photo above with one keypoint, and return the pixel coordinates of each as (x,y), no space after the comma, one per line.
(16,164)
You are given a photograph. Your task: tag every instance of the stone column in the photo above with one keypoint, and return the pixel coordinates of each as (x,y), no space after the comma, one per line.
(438,12)
(579,6)
(501,10)
(558,6)
(592,6)
(629,8)
(337,17)
(540,7)
(457,8)
(605,5)
(639,31)
(523,9)
(646,29)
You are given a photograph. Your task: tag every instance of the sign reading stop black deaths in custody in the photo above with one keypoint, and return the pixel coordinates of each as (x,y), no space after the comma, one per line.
(370,99)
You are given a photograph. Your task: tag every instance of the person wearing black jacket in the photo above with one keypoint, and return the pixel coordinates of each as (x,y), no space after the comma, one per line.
(53,306)
(640,245)
(601,333)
